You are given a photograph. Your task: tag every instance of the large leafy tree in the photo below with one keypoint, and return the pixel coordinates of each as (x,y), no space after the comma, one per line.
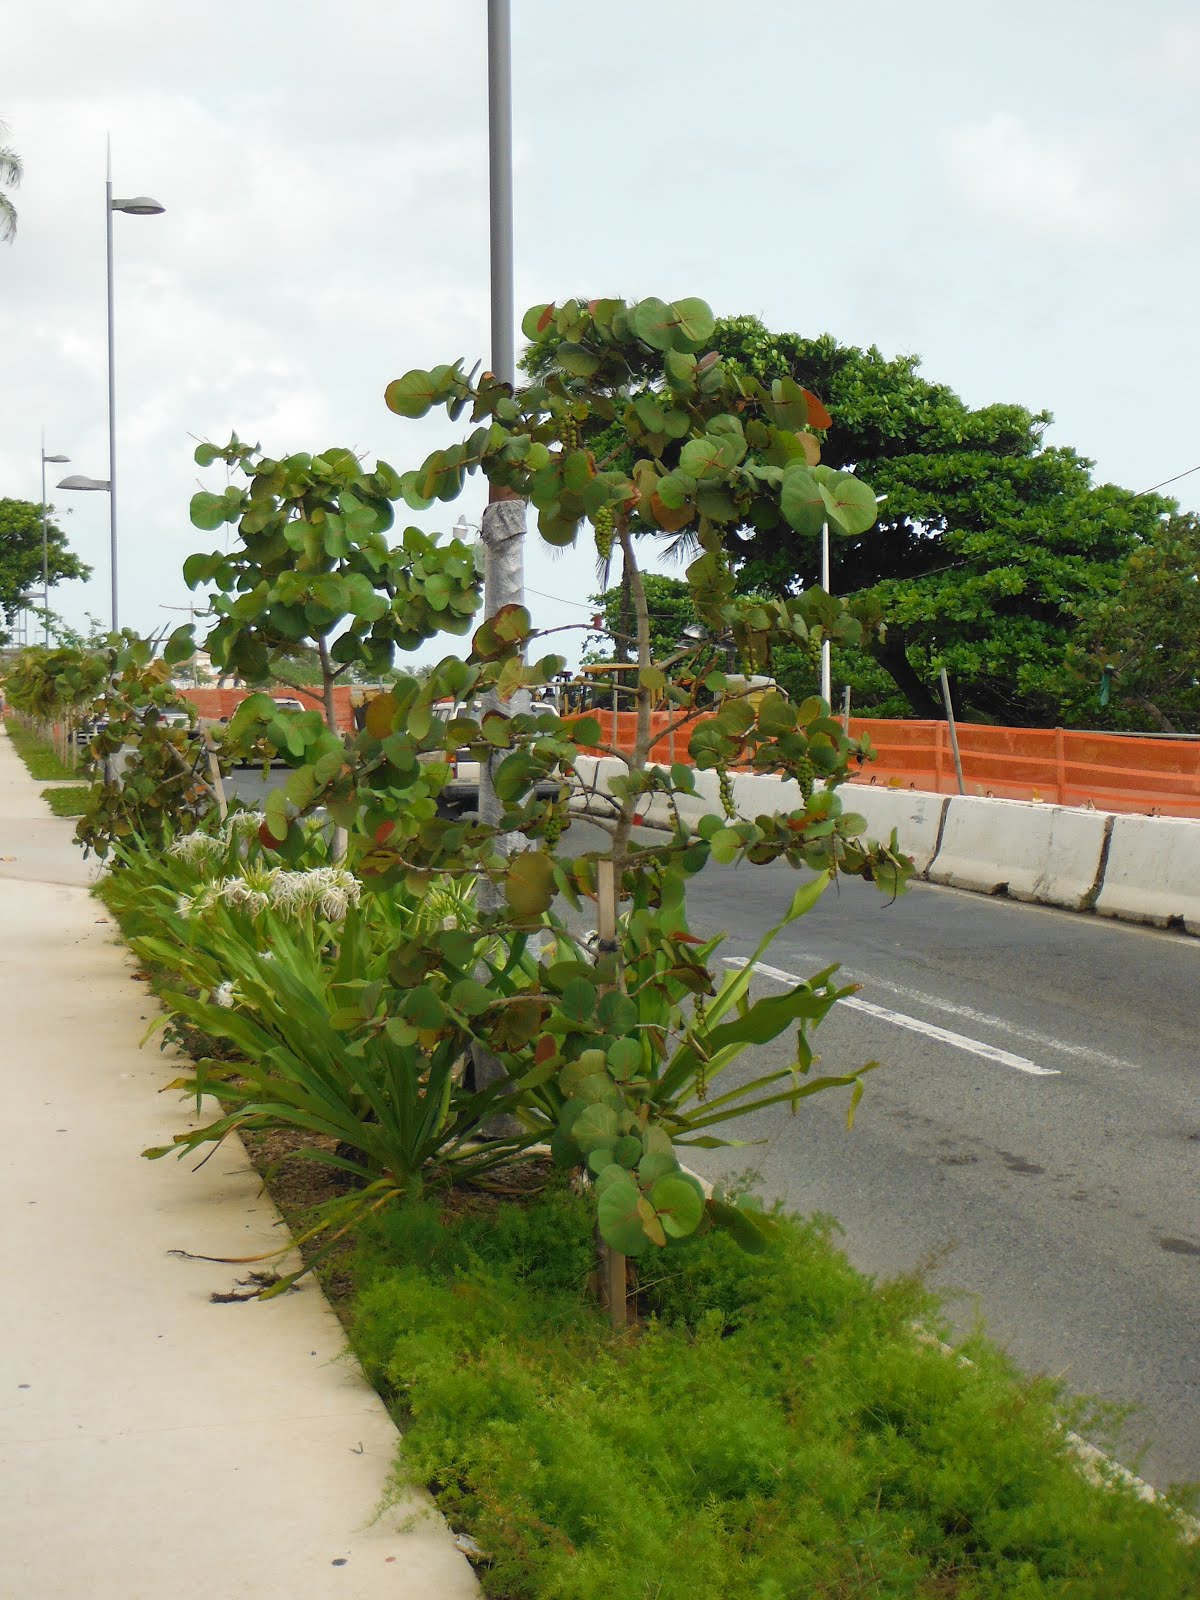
(1137,653)
(671,611)
(21,554)
(11,172)
(989,541)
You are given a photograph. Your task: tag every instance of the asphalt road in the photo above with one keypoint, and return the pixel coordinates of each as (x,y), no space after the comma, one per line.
(1031,1140)
(1032,1136)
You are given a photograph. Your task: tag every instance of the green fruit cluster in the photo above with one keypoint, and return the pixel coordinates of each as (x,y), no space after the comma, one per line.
(603,524)
(805,776)
(725,790)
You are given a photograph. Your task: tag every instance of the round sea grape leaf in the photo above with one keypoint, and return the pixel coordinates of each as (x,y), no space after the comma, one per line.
(679,1203)
(529,884)
(653,1167)
(791,407)
(657,1142)
(654,323)
(576,359)
(818,416)
(617,1216)
(536,320)
(776,714)
(410,487)
(470,997)
(208,511)
(802,502)
(628,1150)
(579,999)
(595,1126)
(381,713)
(726,843)
(412,395)
(601,1159)
(624,1058)
(851,504)
(651,1222)
(610,1175)
(695,324)
(617,1012)
(703,458)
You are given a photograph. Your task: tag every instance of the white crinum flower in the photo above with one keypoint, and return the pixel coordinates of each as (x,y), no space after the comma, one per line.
(331,891)
(196,848)
(223,995)
(326,891)
(242,824)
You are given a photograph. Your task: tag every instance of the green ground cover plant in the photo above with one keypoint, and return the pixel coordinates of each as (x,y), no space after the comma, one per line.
(37,755)
(774,1428)
(67,800)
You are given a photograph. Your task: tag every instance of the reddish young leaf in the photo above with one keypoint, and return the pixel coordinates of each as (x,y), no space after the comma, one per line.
(818,417)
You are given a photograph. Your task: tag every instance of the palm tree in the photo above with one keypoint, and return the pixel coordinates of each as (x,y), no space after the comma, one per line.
(10,177)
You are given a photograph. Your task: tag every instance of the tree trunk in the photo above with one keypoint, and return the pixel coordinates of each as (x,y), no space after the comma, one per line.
(626,620)
(1160,717)
(340,842)
(893,658)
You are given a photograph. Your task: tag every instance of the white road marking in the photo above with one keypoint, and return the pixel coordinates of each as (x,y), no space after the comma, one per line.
(901,1019)
(983,1019)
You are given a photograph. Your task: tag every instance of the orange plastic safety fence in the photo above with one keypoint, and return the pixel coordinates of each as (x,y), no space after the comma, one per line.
(1111,772)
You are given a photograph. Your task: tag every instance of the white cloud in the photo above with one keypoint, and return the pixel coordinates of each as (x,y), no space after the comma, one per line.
(1171,54)
(1012,175)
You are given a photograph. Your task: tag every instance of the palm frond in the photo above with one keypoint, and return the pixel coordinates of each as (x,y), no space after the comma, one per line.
(683,547)
(11,173)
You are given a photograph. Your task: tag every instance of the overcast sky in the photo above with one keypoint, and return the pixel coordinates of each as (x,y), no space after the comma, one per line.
(1009,191)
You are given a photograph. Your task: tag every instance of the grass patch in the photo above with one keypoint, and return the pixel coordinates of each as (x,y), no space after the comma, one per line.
(773,1430)
(38,756)
(69,801)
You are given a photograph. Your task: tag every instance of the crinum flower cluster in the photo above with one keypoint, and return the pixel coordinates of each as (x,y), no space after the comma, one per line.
(243,824)
(249,894)
(196,848)
(328,892)
(331,891)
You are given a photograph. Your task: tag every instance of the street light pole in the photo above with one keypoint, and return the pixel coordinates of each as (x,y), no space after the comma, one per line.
(139,206)
(502,529)
(503,526)
(112,389)
(46,544)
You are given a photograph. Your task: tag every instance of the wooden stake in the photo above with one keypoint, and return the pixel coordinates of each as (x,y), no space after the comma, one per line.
(214,772)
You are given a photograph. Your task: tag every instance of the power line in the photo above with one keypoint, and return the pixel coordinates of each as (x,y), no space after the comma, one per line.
(1166,481)
(558,599)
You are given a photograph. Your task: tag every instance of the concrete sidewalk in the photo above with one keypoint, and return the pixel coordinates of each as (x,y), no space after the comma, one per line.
(152,1442)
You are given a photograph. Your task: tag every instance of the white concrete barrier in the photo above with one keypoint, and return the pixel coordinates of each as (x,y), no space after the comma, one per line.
(1050,854)
(1142,869)
(916,817)
(1153,872)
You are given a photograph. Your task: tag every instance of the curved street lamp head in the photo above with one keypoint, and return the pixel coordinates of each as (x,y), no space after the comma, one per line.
(78,481)
(140,205)
(45,457)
